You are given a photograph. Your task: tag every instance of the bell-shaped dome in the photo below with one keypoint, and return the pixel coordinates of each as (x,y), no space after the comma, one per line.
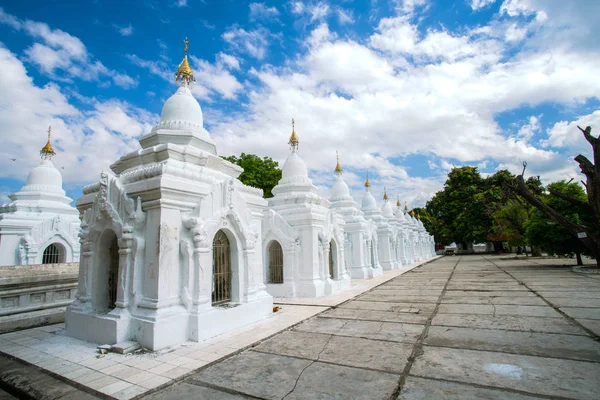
(44,175)
(386,210)
(340,189)
(368,201)
(400,214)
(294,166)
(182,107)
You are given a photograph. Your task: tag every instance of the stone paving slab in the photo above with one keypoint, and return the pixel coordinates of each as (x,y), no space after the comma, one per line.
(489,292)
(536,375)
(385,292)
(427,389)
(570,302)
(412,315)
(535,344)
(398,298)
(263,375)
(341,350)
(571,295)
(509,322)
(587,313)
(395,332)
(425,308)
(328,381)
(525,311)
(591,324)
(181,391)
(523,301)
(476,286)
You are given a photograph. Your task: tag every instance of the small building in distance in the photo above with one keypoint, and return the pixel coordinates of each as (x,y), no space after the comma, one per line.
(40,226)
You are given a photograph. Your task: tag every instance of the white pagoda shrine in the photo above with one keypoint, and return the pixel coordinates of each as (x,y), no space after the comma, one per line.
(170,239)
(303,238)
(39,226)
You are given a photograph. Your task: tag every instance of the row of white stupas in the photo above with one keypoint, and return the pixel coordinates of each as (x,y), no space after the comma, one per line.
(175,248)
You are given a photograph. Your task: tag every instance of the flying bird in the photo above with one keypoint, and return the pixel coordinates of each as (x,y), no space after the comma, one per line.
(14,159)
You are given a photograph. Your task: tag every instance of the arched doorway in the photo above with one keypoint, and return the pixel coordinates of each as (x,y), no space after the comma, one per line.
(331,259)
(372,255)
(113,272)
(221,287)
(53,254)
(275,262)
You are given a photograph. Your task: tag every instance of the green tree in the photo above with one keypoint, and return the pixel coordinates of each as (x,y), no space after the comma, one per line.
(588,230)
(459,212)
(262,173)
(551,237)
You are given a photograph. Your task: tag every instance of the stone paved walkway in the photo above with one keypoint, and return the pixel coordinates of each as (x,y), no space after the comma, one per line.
(470,327)
(462,327)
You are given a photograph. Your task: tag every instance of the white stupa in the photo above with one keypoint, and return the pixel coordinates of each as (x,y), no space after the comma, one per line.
(170,239)
(358,229)
(304,233)
(373,216)
(39,226)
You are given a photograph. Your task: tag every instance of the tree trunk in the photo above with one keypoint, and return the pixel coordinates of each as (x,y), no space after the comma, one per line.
(589,239)
(579,260)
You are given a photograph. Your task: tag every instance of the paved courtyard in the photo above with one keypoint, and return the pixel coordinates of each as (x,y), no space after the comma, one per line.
(469,327)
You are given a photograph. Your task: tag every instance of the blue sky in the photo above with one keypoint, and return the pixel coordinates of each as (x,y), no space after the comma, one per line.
(406,89)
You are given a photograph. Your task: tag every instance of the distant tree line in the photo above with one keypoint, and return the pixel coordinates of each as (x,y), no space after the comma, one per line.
(560,218)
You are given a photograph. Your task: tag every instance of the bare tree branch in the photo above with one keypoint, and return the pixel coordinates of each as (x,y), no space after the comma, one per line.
(581,204)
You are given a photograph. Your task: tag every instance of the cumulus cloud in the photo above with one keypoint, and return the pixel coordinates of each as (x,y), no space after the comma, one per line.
(403,92)
(211,78)
(254,42)
(64,53)
(86,141)
(261,11)
(479,4)
(566,135)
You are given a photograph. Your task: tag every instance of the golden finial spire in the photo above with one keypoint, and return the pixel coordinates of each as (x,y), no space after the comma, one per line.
(293,139)
(47,151)
(406,206)
(338,168)
(385,196)
(418,215)
(398,202)
(367,183)
(184,73)
(412,213)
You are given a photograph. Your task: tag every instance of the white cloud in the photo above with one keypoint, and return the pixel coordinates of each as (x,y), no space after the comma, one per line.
(531,128)
(479,4)
(229,60)
(65,53)
(298,7)
(254,42)
(86,141)
(210,78)
(371,104)
(345,16)
(261,11)
(515,33)
(565,134)
(125,30)
(216,78)
(318,11)
(181,3)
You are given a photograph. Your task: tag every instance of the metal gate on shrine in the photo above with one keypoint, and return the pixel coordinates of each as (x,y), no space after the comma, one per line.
(113,272)
(221,285)
(331,250)
(275,262)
